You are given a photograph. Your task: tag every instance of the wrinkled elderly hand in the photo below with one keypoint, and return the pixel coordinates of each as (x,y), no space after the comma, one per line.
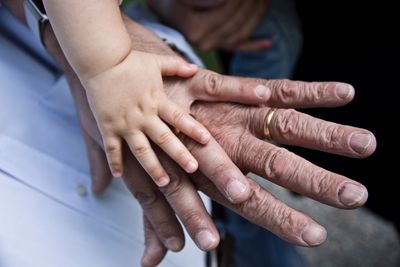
(228,25)
(236,128)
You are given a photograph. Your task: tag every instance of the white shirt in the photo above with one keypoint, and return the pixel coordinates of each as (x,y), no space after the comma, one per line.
(48,216)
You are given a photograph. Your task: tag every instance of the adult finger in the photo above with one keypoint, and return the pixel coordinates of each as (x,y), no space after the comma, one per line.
(217,37)
(297,174)
(244,32)
(210,86)
(154,251)
(99,170)
(250,46)
(163,136)
(219,168)
(154,205)
(188,206)
(144,153)
(263,209)
(291,127)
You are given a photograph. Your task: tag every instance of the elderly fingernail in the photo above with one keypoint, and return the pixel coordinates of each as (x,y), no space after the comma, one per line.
(359,142)
(236,191)
(205,240)
(314,235)
(352,195)
(173,244)
(344,91)
(262,91)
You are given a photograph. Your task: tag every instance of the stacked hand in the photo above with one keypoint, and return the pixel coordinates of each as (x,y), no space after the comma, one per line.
(238,131)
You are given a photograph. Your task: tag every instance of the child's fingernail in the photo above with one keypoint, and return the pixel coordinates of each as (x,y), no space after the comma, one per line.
(117,173)
(163,181)
(205,137)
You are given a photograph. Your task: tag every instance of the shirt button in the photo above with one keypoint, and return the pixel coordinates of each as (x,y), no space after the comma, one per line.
(81,190)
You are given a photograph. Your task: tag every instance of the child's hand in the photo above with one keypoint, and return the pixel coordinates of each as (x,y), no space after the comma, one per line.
(129,104)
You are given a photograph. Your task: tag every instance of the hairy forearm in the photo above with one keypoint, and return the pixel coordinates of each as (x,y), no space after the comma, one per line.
(91,33)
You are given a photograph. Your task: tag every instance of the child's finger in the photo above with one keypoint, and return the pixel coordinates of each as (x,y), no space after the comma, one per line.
(178,118)
(144,153)
(162,135)
(112,147)
(175,66)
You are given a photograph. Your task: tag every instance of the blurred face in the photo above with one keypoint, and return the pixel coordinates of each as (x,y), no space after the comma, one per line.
(203,3)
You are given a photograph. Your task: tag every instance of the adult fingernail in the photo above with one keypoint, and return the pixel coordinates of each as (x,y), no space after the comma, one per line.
(314,235)
(236,191)
(173,244)
(262,91)
(344,91)
(359,142)
(205,240)
(163,181)
(352,195)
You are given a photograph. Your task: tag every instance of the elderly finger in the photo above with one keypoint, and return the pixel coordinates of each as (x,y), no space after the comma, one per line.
(297,94)
(144,153)
(155,207)
(154,251)
(299,175)
(162,135)
(265,210)
(188,206)
(290,127)
(219,168)
(250,46)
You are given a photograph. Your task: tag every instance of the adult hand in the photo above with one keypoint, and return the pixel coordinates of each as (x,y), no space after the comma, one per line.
(181,197)
(228,25)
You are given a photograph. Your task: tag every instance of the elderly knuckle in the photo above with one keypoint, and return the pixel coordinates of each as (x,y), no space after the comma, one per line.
(213,82)
(274,163)
(174,188)
(332,136)
(191,219)
(288,91)
(147,199)
(322,184)
(288,123)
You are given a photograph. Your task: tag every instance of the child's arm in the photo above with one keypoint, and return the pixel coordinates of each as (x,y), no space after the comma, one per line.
(125,87)
(91,33)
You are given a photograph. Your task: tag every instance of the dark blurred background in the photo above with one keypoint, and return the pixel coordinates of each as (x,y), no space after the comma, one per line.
(354,42)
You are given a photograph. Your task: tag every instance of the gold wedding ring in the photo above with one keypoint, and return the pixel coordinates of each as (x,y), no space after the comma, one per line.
(267,121)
